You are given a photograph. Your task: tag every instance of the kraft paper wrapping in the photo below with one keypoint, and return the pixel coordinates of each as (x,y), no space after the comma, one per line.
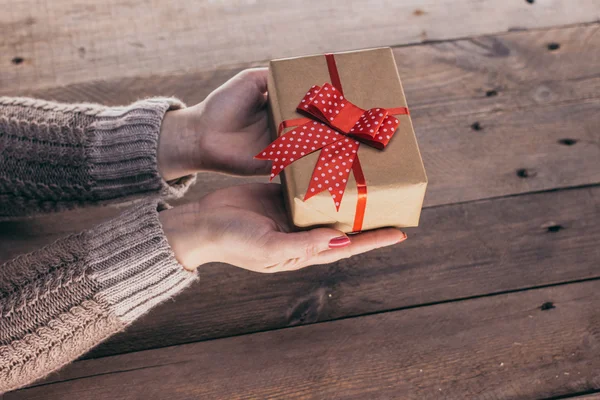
(395,176)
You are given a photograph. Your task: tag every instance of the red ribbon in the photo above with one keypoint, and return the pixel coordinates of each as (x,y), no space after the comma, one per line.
(337,127)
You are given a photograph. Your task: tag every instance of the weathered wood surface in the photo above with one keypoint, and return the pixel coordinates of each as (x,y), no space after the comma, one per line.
(468,250)
(440,78)
(541,98)
(522,97)
(458,306)
(49,44)
(515,346)
(519,129)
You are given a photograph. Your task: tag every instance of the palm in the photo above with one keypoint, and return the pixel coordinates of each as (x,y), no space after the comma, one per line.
(254,212)
(250,222)
(235,122)
(262,203)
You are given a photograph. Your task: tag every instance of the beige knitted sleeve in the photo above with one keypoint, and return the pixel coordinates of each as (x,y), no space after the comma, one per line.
(57,156)
(58,302)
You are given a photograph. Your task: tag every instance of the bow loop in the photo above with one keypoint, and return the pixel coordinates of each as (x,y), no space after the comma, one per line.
(327,104)
(369,122)
(375,127)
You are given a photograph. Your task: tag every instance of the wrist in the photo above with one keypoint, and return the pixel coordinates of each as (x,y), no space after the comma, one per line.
(187,236)
(176,146)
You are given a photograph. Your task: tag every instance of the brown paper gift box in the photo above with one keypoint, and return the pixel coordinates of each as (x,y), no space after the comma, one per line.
(395,176)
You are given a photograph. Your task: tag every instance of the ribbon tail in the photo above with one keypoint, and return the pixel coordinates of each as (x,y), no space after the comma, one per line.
(296,144)
(332,170)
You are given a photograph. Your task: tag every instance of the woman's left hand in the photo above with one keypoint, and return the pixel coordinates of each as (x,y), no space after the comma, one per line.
(222,133)
(247,226)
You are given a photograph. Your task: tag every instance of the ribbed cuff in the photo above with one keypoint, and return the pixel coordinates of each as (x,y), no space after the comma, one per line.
(122,151)
(133,263)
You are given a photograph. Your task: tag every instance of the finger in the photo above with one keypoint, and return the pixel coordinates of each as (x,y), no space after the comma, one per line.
(361,243)
(258,76)
(307,244)
(255,76)
(248,87)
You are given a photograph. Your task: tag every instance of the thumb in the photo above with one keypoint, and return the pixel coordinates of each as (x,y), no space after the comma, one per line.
(310,243)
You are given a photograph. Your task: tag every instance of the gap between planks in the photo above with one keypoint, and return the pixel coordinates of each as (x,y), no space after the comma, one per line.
(585,395)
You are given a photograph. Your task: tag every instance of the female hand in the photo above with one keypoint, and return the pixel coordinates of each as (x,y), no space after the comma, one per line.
(222,133)
(247,226)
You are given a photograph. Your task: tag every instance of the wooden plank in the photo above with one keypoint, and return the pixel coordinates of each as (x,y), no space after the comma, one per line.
(446,78)
(460,251)
(520,130)
(518,151)
(447,84)
(501,347)
(50,44)
(523,98)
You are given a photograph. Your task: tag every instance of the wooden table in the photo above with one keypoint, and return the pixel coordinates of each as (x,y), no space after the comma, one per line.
(495,296)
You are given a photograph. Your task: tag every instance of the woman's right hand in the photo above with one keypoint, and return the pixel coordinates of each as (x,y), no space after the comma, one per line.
(247,226)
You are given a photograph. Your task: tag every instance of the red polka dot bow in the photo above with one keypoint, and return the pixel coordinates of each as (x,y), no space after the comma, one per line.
(338,130)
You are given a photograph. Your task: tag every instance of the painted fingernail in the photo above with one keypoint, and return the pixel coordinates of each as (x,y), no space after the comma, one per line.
(340,241)
(403,238)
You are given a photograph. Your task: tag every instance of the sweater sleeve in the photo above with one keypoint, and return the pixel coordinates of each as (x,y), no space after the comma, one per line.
(57,156)
(58,302)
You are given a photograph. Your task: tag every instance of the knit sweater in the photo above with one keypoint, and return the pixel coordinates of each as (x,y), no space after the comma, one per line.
(58,302)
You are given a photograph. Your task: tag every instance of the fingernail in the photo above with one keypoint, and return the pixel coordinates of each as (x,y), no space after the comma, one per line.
(403,238)
(340,241)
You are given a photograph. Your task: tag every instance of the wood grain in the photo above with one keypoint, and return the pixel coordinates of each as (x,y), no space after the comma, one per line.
(483,109)
(537,90)
(459,251)
(496,116)
(518,152)
(459,77)
(521,129)
(499,347)
(55,43)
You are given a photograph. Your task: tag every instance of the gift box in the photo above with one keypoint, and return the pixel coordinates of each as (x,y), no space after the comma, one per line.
(344,142)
